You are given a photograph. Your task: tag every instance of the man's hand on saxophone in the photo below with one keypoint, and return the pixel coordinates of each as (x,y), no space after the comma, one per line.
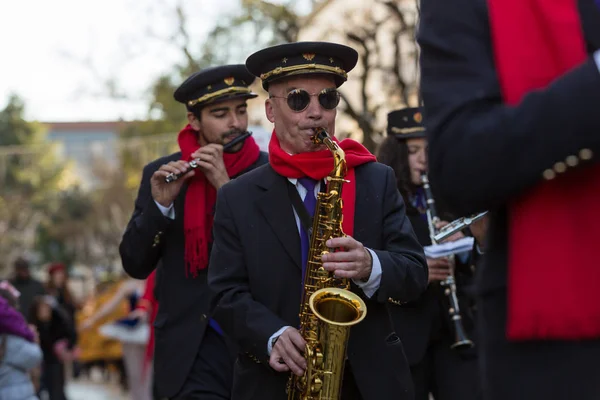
(287,352)
(352,260)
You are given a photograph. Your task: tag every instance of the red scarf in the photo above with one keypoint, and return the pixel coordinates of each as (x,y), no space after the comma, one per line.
(553,269)
(318,164)
(201,197)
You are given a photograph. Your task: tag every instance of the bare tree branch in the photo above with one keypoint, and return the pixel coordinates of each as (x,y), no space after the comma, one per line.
(182,29)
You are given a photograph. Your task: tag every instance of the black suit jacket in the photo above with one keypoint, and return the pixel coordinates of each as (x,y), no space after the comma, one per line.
(483,153)
(420,322)
(255,272)
(184,303)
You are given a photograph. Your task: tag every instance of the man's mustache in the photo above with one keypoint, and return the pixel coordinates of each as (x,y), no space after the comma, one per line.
(230,132)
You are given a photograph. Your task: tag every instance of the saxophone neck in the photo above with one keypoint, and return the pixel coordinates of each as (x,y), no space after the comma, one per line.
(339,156)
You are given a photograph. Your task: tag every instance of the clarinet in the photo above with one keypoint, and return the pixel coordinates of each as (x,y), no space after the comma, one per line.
(461,340)
(172,177)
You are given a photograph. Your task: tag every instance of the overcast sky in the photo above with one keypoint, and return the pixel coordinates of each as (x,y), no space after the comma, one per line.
(57,55)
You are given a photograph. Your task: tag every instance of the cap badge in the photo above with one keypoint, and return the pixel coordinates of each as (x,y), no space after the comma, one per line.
(308,56)
(418,117)
(229,81)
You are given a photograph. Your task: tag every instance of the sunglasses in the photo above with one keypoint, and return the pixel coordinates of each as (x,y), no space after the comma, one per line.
(299,99)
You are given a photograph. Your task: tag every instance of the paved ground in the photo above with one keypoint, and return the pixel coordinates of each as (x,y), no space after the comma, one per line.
(88,390)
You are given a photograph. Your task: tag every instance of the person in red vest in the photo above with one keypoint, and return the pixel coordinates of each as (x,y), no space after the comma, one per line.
(511,92)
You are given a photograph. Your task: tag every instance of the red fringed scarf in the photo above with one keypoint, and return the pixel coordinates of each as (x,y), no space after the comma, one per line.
(553,269)
(318,164)
(201,197)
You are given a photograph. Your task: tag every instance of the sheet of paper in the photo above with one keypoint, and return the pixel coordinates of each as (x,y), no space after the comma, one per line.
(449,248)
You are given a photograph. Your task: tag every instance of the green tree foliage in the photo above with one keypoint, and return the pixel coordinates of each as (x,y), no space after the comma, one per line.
(30,175)
(29,166)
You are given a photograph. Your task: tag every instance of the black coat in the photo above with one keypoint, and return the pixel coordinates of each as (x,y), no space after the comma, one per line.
(256,272)
(184,303)
(482,154)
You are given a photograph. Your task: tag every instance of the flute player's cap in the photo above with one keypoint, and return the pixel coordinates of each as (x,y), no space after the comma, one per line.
(215,84)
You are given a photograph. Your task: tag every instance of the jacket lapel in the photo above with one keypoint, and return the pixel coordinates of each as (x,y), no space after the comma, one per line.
(276,208)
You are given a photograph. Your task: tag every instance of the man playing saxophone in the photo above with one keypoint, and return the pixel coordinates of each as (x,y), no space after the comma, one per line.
(261,245)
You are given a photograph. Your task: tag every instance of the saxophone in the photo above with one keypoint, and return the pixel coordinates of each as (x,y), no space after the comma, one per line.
(328,309)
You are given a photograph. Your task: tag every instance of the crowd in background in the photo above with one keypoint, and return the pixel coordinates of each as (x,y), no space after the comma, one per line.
(40,330)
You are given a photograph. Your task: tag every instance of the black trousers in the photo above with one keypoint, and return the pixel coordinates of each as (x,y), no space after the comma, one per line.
(211,376)
(549,370)
(53,380)
(447,374)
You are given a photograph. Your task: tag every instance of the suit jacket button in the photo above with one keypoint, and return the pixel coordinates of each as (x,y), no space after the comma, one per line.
(560,167)
(586,154)
(549,174)
(572,161)
(203,317)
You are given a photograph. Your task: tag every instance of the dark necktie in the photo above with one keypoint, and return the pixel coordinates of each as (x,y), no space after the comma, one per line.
(310,202)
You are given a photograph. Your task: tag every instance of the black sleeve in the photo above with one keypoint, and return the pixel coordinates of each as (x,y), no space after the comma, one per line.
(249,323)
(141,244)
(482,153)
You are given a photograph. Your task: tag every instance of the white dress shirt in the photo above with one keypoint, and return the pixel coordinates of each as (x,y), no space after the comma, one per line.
(597,58)
(168,212)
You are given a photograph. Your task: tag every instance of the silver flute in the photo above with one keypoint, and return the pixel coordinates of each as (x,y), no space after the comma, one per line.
(172,177)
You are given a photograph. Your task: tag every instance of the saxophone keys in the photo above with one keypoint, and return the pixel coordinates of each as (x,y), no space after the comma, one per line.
(316,385)
(318,359)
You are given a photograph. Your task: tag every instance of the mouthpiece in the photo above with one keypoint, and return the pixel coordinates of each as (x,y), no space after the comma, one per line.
(319,136)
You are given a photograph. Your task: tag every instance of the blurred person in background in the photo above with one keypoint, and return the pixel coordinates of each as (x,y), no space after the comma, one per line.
(20,352)
(58,287)
(57,340)
(146,311)
(27,285)
(133,333)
